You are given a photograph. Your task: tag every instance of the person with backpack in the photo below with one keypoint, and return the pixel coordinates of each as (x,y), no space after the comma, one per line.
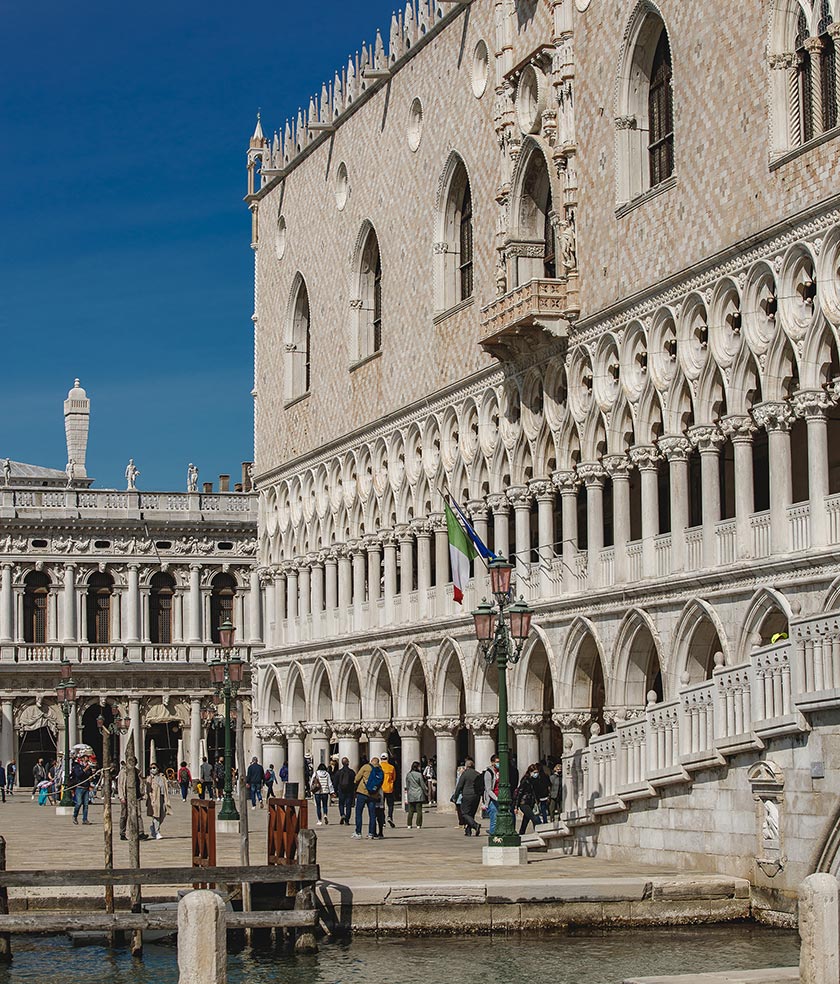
(270,779)
(368,785)
(11,774)
(254,779)
(205,777)
(184,780)
(470,788)
(344,783)
(388,784)
(322,788)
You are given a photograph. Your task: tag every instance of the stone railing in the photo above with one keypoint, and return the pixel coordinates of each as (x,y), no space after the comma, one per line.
(118,652)
(760,523)
(697,722)
(799,517)
(85,501)
(726,541)
(817,653)
(540,304)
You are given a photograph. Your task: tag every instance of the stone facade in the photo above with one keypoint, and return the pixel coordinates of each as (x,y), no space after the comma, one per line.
(130,588)
(635,396)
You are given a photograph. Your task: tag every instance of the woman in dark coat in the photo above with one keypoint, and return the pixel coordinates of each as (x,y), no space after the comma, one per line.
(527,797)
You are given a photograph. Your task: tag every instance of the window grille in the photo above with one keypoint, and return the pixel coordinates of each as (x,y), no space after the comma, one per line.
(466,245)
(377,300)
(35,600)
(661,114)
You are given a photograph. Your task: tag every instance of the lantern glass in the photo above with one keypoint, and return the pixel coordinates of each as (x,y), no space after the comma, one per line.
(59,693)
(217,673)
(237,669)
(66,669)
(227,631)
(483,618)
(70,691)
(520,620)
(125,724)
(500,571)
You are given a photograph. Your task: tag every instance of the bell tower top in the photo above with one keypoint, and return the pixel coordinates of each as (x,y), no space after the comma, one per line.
(76,424)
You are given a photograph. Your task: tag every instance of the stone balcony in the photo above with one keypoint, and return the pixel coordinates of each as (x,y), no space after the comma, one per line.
(117,655)
(535,313)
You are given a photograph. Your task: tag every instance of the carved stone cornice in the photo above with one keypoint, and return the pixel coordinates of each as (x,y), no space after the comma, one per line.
(645,457)
(444,726)
(567,481)
(675,447)
(738,427)
(482,725)
(707,438)
(616,466)
(773,416)
(811,404)
(526,724)
(591,473)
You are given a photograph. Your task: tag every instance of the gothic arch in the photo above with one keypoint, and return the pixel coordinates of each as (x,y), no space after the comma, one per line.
(348,690)
(378,692)
(412,693)
(532,246)
(294,697)
(638,664)
(449,693)
(768,612)
(297,340)
(321,705)
(584,668)
(365,295)
(698,635)
(453,249)
(532,683)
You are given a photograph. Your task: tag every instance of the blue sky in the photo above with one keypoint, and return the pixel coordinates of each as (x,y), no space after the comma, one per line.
(124,255)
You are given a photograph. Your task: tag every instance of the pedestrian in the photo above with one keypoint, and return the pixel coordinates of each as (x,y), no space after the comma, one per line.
(527,797)
(122,795)
(542,788)
(307,775)
(344,783)
(184,780)
(469,789)
(205,779)
(368,783)
(416,794)
(157,801)
(219,777)
(430,775)
(270,780)
(52,768)
(254,779)
(39,774)
(283,774)
(388,784)
(81,778)
(555,792)
(11,774)
(491,791)
(2,782)
(322,788)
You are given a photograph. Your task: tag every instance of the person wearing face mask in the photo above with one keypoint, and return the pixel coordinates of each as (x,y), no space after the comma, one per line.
(555,792)
(542,789)
(527,798)
(157,801)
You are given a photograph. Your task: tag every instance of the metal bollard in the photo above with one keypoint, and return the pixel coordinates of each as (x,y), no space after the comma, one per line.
(202,939)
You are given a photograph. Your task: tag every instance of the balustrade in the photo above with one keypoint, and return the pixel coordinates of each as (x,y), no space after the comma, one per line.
(698,710)
(772,697)
(694,548)
(725,534)
(662,552)
(634,560)
(799,518)
(663,730)
(604,757)
(760,523)
(734,701)
(817,648)
(633,738)
(608,567)
(832,510)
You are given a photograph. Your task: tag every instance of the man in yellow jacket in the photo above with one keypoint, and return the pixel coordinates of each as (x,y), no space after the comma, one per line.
(388,785)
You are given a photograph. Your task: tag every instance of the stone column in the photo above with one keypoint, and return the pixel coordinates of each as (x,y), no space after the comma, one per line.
(345,578)
(676,449)
(274,749)
(646,457)
(317,583)
(776,419)
(519,497)
(483,741)
(319,741)
(390,548)
(132,611)
(291,572)
(479,514)
(592,474)
(406,538)
(527,728)
(348,741)
(195,735)
(571,723)
(267,585)
(740,428)
(7,601)
(137,731)
(279,606)
(544,492)
(500,506)
(409,729)
(445,730)
(423,532)
(438,525)
(708,440)
(819,913)
(304,588)
(374,575)
(8,749)
(568,482)
(255,599)
(294,739)
(812,405)
(69,603)
(618,468)
(331,580)
(359,565)
(195,603)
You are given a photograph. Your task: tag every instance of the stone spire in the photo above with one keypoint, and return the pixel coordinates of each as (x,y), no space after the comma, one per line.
(76,423)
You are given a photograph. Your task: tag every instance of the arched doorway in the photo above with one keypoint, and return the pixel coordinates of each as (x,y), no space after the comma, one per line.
(34,744)
(91,735)
(537,697)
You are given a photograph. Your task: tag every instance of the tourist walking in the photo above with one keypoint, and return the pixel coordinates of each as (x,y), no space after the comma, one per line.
(2,782)
(388,783)
(184,781)
(81,778)
(430,775)
(469,790)
(122,795)
(527,797)
(270,780)
(491,791)
(11,775)
(39,774)
(157,801)
(542,788)
(555,792)
(368,784)
(205,779)
(322,788)
(219,777)
(344,783)
(254,779)
(416,794)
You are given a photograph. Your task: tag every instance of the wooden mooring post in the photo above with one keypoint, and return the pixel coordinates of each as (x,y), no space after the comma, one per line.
(5,938)
(132,780)
(107,815)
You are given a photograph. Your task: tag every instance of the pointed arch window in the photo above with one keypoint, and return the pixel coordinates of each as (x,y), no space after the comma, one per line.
(454,253)
(366,303)
(100,591)
(661,114)
(161,598)
(532,255)
(35,613)
(298,343)
(465,257)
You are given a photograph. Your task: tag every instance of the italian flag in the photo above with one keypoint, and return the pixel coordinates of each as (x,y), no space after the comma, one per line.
(461,552)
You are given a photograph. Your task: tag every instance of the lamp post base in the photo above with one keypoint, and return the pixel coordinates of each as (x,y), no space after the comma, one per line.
(227,826)
(504,856)
(64,811)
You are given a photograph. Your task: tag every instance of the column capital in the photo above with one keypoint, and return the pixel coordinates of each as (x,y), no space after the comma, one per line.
(707,438)
(567,481)
(331,556)
(499,503)
(645,457)
(270,732)
(196,567)
(346,729)
(782,60)
(542,489)
(478,509)
(571,720)
(444,726)
(408,727)
(389,537)
(356,546)
(404,532)
(811,404)
(813,45)
(318,729)
(773,416)
(675,447)
(375,729)
(292,731)
(319,558)
(738,427)
(519,496)
(373,544)
(134,567)
(421,527)
(483,724)
(591,473)
(437,522)
(526,724)
(290,567)
(617,466)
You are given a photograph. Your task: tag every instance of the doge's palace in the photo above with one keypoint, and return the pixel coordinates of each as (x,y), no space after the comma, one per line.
(130,587)
(577,264)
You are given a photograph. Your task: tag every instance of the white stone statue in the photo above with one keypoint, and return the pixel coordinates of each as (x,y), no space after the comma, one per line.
(71,472)
(568,248)
(192,478)
(770,827)
(7,471)
(131,473)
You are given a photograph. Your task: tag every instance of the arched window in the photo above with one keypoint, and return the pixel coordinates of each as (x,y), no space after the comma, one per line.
(805,79)
(222,593)
(532,251)
(454,251)
(298,342)
(645,108)
(35,599)
(160,608)
(100,590)
(829,82)
(366,302)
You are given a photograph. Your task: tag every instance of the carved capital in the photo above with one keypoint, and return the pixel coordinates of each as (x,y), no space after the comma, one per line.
(591,473)
(526,724)
(293,731)
(483,725)
(706,438)
(811,404)
(738,427)
(270,733)
(616,465)
(408,727)
(571,720)
(782,60)
(542,489)
(404,532)
(499,503)
(375,729)
(566,481)
(519,496)
(675,447)
(645,457)
(440,248)
(626,122)
(773,416)
(444,726)
(478,509)
(318,729)
(346,729)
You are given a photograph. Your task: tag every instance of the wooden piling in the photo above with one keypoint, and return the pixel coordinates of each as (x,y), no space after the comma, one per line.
(133,837)
(5,938)
(107,819)
(305,940)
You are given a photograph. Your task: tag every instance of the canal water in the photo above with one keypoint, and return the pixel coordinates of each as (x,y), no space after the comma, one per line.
(582,957)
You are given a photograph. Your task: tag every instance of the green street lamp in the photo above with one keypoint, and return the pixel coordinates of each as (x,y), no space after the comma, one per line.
(66,694)
(501,631)
(226,677)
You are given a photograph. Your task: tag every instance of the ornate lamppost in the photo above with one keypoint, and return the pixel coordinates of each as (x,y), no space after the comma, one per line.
(66,694)
(501,631)
(226,677)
